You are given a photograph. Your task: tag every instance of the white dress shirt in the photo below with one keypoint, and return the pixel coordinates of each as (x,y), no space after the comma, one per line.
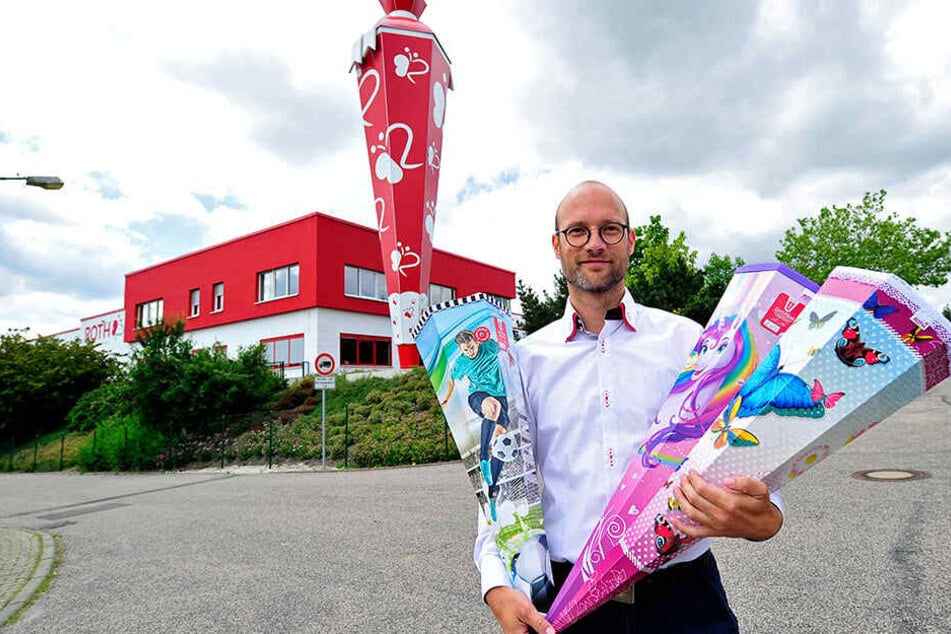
(590,401)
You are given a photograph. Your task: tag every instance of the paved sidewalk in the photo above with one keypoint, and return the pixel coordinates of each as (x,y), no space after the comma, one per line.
(26,558)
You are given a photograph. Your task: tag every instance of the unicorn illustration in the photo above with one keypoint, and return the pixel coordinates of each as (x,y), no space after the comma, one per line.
(722,359)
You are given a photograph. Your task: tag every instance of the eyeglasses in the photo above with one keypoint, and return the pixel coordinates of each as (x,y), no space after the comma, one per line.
(578,235)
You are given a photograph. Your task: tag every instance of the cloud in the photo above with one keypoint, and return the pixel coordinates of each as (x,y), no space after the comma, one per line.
(22,208)
(169,236)
(684,88)
(474,186)
(61,259)
(298,125)
(210,201)
(108,186)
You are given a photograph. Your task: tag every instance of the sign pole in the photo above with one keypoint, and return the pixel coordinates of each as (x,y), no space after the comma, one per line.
(323,429)
(324,365)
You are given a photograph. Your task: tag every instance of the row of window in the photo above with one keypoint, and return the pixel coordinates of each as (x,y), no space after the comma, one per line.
(354,350)
(217,302)
(285,282)
(369,284)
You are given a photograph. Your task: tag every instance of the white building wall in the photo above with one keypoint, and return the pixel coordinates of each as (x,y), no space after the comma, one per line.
(321,328)
(107,331)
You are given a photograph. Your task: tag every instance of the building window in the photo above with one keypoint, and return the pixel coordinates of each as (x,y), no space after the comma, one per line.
(149,313)
(288,350)
(194,301)
(364,283)
(277,283)
(504,302)
(364,350)
(439,294)
(218,291)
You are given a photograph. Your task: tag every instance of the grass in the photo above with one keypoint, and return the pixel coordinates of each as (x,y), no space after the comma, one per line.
(46,451)
(371,422)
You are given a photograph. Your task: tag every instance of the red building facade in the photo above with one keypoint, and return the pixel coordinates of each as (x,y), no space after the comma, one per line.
(313,284)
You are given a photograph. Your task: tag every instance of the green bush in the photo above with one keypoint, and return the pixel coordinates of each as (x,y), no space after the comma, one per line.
(174,389)
(121,443)
(106,401)
(41,379)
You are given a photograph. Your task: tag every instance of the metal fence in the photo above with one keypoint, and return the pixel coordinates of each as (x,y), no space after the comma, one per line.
(238,439)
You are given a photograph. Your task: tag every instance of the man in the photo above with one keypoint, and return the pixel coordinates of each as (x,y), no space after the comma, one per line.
(479,364)
(593,381)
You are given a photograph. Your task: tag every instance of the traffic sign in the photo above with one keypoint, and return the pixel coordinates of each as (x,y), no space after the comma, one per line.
(325,364)
(324,383)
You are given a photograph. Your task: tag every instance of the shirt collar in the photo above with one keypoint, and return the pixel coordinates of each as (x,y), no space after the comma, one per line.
(571,322)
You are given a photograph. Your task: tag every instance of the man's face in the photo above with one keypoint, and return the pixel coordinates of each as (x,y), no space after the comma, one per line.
(470,348)
(596,267)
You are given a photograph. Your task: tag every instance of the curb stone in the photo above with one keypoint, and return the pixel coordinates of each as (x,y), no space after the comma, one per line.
(26,559)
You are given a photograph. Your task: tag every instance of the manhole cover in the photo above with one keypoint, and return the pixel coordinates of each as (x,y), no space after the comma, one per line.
(890,475)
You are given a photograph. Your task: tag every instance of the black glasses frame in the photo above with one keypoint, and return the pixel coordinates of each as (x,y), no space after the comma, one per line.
(587,237)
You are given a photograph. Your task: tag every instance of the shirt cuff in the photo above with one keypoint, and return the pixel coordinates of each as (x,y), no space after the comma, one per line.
(493,574)
(777,501)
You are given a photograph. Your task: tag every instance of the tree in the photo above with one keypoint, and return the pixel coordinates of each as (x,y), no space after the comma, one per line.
(541,311)
(41,379)
(716,276)
(663,273)
(174,388)
(865,236)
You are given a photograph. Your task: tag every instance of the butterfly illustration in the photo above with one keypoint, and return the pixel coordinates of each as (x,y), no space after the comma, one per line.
(666,540)
(812,351)
(851,350)
(816,322)
(915,336)
(877,309)
(731,435)
(770,390)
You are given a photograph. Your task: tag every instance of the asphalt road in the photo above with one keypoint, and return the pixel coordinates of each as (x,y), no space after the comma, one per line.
(390,550)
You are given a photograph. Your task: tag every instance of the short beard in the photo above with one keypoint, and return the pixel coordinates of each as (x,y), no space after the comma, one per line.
(578,280)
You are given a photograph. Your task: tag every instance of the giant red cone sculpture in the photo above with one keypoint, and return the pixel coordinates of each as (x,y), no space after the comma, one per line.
(403,76)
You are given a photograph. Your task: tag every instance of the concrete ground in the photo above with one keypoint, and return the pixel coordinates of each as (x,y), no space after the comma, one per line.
(390,550)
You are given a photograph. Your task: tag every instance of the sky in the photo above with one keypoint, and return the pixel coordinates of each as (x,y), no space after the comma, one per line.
(179,125)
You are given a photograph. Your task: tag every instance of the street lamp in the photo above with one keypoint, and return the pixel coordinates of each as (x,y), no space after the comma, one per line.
(46,182)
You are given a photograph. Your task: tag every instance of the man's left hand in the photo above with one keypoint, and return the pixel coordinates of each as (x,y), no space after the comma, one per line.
(742,509)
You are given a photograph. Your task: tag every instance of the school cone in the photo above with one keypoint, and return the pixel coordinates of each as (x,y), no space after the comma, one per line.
(869,346)
(505,481)
(403,76)
(759,304)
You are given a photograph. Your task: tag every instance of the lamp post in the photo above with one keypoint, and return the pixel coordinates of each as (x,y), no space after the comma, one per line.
(46,182)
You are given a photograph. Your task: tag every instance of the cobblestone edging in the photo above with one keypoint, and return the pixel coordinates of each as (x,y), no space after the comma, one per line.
(26,558)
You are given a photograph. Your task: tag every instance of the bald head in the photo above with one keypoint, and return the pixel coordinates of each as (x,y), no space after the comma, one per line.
(587,188)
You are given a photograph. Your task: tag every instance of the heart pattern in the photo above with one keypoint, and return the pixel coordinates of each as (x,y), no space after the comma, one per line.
(439,104)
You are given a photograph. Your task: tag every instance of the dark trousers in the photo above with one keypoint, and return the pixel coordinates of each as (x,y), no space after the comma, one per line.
(488,432)
(684,599)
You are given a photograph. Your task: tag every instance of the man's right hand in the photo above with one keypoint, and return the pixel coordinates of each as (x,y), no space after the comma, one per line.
(515,612)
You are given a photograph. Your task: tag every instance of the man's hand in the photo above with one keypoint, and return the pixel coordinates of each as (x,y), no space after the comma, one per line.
(515,612)
(742,509)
